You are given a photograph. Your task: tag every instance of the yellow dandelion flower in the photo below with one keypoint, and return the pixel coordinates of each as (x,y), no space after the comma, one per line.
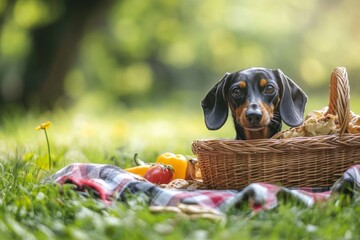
(44,125)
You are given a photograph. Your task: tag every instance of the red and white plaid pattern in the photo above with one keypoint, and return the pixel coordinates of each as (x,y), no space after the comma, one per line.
(111,183)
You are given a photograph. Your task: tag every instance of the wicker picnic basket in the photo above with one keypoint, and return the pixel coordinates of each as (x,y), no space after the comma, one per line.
(294,162)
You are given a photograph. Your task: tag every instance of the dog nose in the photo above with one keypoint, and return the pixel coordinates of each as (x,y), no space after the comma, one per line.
(253,114)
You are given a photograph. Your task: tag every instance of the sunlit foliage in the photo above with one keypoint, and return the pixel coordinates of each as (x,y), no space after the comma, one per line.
(139,49)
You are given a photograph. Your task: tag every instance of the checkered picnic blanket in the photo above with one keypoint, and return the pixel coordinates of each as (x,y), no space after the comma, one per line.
(112,183)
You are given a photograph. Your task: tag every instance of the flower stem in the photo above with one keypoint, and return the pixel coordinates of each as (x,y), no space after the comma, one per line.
(49,151)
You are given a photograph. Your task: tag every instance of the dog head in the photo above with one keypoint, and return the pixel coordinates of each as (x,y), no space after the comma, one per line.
(257,98)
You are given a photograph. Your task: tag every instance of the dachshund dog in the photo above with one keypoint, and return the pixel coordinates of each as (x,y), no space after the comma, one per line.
(259,100)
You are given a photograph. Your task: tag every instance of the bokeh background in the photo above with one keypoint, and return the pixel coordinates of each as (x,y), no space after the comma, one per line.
(151,62)
(55,52)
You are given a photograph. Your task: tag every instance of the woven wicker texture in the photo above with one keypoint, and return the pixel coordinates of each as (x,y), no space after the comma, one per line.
(339,102)
(296,162)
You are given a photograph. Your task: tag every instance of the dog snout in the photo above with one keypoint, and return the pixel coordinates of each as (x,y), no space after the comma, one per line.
(253,114)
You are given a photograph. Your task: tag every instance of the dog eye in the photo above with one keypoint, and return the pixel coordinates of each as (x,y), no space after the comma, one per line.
(269,89)
(236,92)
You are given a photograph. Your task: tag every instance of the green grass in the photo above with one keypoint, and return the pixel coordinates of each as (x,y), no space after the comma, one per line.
(30,210)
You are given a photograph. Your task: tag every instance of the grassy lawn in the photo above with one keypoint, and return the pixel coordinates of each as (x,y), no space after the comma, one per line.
(29,210)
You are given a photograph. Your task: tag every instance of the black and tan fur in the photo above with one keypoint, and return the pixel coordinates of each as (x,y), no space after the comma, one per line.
(259,100)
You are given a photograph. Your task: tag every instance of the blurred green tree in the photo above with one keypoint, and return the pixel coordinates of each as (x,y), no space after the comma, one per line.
(132,50)
(52,31)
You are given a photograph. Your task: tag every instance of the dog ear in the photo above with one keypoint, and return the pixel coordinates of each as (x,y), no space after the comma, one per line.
(215,105)
(292,100)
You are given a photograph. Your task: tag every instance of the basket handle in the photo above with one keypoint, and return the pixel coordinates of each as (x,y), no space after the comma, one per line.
(339,102)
